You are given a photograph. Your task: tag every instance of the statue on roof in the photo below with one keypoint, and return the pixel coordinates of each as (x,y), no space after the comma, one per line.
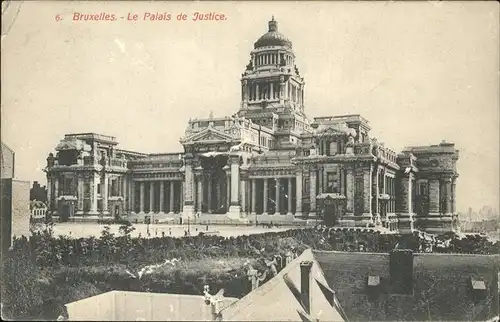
(250,65)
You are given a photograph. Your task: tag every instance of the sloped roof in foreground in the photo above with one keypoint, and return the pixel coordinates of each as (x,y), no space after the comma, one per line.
(442,287)
(279,298)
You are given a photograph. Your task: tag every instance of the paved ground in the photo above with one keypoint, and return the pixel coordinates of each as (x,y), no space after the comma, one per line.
(78,230)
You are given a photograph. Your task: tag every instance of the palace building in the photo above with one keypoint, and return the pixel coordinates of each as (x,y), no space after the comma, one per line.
(267,163)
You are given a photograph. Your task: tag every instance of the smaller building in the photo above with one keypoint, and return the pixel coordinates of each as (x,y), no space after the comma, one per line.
(141,306)
(38,192)
(15,204)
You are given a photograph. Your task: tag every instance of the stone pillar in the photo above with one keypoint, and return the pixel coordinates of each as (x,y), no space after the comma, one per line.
(377,192)
(188,206)
(209,195)
(228,191)
(200,194)
(289,199)
(278,193)
(448,196)
(403,206)
(264,205)
(104,194)
(80,195)
(181,195)
(454,196)
(312,192)
(49,193)
(172,195)
(254,196)
(434,197)
(349,191)
(320,178)
(56,190)
(298,194)
(243,195)
(132,196)
(141,203)
(235,208)
(367,191)
(162,196)
(93,193)
(151,196)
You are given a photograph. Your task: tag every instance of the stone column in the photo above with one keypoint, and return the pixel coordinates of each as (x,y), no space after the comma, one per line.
(243,195)
(264,210)
(454,196)
(188,206)
(93,193)
(367,190)
(320,179)
(434,196)
(132,196)
(289,210)
(209,195)
(254,195)
(298,194)
(162,196)
(171,201)
(151,196)
(403,206)
(349,190)
(278,193)
(312,192)
(141,203)
(448,195)
(235,208)
(228,191)
(200,194)
(49,193)
(80,194)
(56,189)
(377,192)
(104,194)
(181,194)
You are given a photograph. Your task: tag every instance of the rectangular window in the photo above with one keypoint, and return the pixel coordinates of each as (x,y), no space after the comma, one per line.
(333,148)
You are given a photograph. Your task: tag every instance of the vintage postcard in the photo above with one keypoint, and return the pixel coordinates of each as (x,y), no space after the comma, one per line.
(250,161)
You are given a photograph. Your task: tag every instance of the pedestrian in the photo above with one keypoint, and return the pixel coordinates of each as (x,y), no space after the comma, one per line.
(207,227)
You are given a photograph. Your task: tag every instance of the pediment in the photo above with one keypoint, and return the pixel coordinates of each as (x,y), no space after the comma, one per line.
(208,134)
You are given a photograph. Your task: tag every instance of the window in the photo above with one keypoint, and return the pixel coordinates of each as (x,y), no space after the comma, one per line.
(333,148)
(332,183)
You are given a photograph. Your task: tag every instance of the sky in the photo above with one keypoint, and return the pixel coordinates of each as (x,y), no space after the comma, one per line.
(420,72)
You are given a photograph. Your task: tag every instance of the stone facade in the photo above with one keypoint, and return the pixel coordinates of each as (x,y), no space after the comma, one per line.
(267,163)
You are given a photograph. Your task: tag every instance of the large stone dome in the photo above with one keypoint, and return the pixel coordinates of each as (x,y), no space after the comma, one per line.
(273,37)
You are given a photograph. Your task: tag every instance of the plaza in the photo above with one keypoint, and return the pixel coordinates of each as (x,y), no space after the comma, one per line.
(267,163)
(84,230)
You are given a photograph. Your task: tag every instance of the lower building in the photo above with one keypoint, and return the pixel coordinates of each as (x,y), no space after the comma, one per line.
(15,203)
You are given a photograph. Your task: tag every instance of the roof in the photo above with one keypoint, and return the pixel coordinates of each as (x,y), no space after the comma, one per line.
(442,286)
(141,306)
(273,37)
(277,299)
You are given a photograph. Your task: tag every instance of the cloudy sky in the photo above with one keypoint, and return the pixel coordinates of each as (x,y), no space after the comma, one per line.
(420,72)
